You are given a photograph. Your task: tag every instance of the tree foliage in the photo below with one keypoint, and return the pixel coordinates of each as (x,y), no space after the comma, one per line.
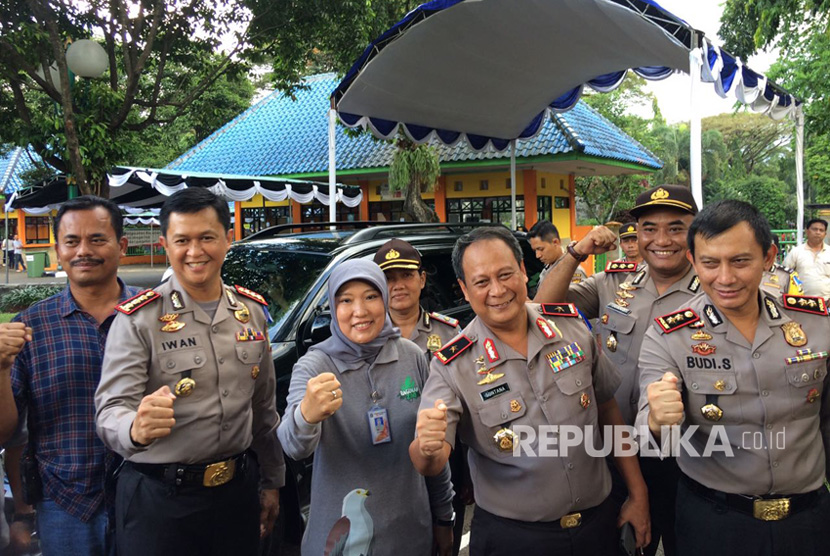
(800,29)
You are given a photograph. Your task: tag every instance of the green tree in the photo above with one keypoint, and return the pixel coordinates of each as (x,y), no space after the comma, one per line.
(414,170)
(800,29)
(766,193)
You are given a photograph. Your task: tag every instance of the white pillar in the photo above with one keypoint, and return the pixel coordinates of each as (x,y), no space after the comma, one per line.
(799,171)
(332,169)
(513,186)
(695,147)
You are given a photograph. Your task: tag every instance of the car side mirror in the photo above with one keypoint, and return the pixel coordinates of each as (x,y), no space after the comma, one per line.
(318,330)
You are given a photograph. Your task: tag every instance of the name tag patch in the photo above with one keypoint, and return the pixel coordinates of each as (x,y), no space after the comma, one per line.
(495,391)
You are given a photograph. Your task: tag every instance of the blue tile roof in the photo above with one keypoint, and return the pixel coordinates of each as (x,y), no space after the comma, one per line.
(12,165)
(282,136)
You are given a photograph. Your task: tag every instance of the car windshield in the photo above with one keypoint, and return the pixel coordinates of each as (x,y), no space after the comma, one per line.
(282,277)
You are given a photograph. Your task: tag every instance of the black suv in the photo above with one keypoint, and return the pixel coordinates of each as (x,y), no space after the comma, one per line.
(291,269)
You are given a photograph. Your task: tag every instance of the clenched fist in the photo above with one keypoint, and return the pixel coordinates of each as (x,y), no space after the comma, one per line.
(432,429)
(154,418)
(322,398)
(13,336)
(597,241)
(664,402)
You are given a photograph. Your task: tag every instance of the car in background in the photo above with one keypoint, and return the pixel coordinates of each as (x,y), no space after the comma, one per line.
(290,266)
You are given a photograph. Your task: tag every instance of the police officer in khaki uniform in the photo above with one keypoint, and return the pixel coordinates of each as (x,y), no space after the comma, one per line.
(516,370)
(779,280)
(401,263)
(626,299)
(187,397)
(547,245)
(628,243)
(747,376)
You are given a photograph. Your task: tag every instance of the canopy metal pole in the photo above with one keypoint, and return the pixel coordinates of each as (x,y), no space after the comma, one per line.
(332,169)
(513,186)
(695,146)
(799,171)
(6,250)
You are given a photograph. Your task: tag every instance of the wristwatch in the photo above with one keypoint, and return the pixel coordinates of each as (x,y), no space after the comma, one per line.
(574,254)
(444,522)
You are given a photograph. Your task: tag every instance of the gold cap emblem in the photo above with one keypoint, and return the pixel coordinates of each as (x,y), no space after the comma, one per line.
(659,195)
(392,254)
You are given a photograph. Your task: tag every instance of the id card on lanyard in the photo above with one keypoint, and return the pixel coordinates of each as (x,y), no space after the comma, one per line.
(379,425)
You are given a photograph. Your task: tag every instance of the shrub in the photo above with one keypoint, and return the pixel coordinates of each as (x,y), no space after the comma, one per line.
(19,299)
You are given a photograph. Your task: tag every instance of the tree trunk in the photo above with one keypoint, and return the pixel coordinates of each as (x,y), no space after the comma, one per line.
(415,207)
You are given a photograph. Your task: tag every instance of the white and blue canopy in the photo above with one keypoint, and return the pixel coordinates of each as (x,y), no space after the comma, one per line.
(489,71)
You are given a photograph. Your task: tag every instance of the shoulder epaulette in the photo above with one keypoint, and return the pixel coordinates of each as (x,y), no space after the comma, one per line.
(559,310)
(806,304)
(444,319)
(621,266)
(250,294)
(786,269)
(135,303)
(454,349)
(678,319)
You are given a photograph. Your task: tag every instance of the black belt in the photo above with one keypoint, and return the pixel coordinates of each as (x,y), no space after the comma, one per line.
(207,474)
(765,508)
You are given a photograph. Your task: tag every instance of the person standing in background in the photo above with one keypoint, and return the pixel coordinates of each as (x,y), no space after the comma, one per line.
(18,254)
(811,260)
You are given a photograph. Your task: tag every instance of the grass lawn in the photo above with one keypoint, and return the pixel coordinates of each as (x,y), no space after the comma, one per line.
(6,317)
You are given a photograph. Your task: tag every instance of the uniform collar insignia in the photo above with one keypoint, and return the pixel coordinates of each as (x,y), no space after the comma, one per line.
(772,310)
(492,352)
(176,300)
(638,279)
(694,285)
(712,315)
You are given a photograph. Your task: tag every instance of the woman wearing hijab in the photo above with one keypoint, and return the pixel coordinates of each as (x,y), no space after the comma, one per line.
(353,403)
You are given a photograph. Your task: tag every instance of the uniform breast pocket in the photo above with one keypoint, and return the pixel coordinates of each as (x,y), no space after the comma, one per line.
(577,388)
(503,412)
(806,386)
(182,364)
(617,337)
(713,397)
(249,360)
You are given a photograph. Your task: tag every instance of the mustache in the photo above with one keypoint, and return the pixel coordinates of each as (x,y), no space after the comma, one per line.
(86,260)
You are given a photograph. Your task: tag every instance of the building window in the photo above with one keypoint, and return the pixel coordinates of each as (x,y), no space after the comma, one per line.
(543,211)
(490,209)
(507,183)
(562,203)
(458,186)
(544,184)
(318,212)
(37,229)
(483,185)
(391,211)
(377,191)
(260,218)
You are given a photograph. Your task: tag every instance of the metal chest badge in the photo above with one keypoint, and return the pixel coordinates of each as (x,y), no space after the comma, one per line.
(793,334)
(242,314)
(711,412)
(584,400)
(704,348)
(488,375)
(611,342)
(171,324)
(434,342)
(184,387)
(701,335)
(504,439)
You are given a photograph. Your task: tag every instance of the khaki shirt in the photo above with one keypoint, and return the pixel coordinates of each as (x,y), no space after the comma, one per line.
(529,394)
(774,412)
(233,405)
(433,331)
(780,280)
(621,328)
